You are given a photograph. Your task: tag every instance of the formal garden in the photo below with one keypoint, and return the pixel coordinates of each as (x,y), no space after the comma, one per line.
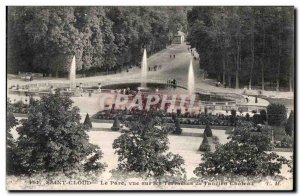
(52,139)
(240,130)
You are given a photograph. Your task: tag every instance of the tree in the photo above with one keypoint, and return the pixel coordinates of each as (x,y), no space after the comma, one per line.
(44,39)
(235,158)
(52,139)
(204,147)
(11,156)
(248,132)
(207,131)
(143,149)
(252,44)
(277,114)
(289,127)
(87,122)
(244,155)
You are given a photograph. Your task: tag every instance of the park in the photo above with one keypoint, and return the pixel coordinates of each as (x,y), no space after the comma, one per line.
(168,117)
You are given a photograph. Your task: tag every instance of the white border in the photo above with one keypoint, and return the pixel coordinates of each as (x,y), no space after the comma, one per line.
(5,3)
(152,2)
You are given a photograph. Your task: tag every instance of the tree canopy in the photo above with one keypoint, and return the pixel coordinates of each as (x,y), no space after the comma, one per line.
(52,139)
(246,154)
(143,149)
(245,46)
(44,39)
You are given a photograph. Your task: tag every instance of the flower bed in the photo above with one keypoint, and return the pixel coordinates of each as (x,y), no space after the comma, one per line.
(186,118)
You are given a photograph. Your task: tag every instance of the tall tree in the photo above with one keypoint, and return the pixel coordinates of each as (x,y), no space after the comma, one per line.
(253,44)
(143,149)
(44,39)
(52,139)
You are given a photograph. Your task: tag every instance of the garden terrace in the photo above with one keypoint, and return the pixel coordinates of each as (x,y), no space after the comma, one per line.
(184,118)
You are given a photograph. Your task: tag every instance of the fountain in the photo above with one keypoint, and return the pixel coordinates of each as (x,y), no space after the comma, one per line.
(191,79)
(72,74)
(144,71)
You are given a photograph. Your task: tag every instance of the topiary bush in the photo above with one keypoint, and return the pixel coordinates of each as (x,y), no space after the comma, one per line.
(87,122)
(177,130)
(233,112)
(263,116)
(116,125)
(204,147)
(233,117)
(277,114)
(247,116)
(205,110)
(207,131)
(289,127)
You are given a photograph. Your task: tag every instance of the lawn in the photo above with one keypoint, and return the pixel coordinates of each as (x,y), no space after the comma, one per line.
(186,146)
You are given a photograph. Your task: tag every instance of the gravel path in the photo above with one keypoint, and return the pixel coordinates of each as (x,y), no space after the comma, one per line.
(172,68)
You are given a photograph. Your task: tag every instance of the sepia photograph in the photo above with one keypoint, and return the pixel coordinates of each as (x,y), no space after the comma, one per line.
(150,98)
